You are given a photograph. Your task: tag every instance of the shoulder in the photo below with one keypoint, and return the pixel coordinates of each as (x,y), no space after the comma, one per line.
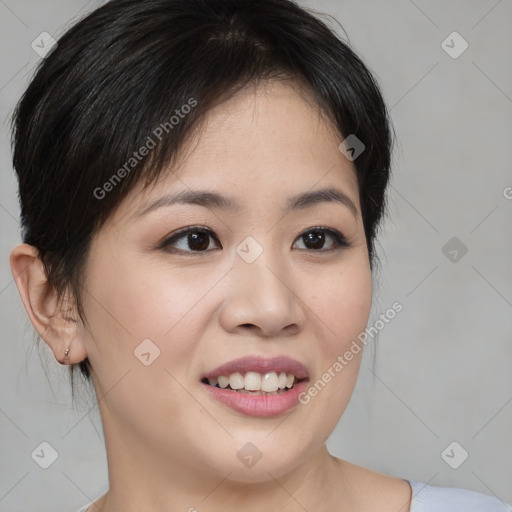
(369,490)
(426,498)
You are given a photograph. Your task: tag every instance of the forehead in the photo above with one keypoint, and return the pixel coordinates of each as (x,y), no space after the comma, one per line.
(268,139)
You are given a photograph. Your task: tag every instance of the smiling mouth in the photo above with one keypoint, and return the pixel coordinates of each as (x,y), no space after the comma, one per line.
(254,383)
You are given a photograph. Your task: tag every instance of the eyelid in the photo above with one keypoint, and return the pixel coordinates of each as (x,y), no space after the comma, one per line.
(187,229)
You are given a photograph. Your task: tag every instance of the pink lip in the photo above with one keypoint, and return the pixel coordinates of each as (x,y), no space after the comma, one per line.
(258,405)
(260,365)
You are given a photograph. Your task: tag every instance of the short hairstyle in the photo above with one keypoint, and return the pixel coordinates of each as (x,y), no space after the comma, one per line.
(139,74)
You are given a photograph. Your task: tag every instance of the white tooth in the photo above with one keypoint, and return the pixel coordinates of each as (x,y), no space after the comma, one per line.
(236,380)
(223,381)
(213,381)
(290,378)
(270,382)
(252,381)
(282,380)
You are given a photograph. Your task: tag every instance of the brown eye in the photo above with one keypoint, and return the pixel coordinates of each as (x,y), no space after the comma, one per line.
(317,239)
(314,240)
(198,241)
(191,240)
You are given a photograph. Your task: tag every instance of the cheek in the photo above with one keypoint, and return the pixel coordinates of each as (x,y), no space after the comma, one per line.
(340,309)
(127,302)
(342,303)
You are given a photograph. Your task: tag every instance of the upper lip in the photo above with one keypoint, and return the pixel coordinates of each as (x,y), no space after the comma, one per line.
(260,365)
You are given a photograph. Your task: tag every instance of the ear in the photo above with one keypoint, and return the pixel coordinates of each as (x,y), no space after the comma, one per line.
(56,324)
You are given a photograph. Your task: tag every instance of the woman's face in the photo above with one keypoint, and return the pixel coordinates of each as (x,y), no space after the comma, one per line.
(262,283)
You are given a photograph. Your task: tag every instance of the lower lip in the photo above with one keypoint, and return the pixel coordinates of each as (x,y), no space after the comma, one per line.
(258,405)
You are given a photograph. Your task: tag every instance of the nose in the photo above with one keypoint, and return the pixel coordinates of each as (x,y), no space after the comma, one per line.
(262,299)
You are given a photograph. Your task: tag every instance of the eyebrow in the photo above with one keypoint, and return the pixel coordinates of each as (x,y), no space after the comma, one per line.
(216,201)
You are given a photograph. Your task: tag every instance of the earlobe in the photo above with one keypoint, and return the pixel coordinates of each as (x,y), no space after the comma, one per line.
(56,325)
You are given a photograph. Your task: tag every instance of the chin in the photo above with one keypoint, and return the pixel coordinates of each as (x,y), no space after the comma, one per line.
(259,457)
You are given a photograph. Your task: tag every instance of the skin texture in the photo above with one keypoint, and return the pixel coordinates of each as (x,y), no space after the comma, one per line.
(171,446)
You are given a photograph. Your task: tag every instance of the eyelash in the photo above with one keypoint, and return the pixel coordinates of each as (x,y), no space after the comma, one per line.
(340,241)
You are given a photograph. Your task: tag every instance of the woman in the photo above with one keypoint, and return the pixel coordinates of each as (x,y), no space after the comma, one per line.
(201,184)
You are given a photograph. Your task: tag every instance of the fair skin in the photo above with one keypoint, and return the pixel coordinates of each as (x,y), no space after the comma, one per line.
(170,445)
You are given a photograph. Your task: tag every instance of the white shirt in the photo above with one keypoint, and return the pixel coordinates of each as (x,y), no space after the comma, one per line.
(426,498)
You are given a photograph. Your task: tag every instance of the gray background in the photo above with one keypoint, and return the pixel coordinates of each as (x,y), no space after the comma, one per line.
(443,364)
